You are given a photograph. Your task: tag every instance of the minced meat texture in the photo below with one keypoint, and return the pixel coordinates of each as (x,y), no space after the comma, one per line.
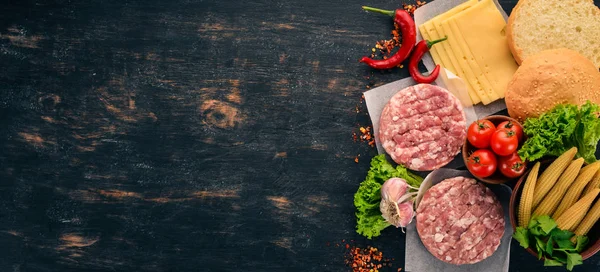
(422,127)
(460,221)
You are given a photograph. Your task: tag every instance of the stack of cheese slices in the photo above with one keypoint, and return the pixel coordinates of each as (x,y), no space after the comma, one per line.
(476,49)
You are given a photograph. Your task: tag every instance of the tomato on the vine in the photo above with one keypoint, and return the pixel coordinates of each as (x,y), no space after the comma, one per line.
(482,163)
(509,125)
(511,166)
(480,132)
(504,142)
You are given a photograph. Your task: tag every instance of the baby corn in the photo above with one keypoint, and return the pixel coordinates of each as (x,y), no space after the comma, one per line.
(595,183)
(551,201)
(589,220)
(573,194)
(525,205)
(551,175)
(570,219)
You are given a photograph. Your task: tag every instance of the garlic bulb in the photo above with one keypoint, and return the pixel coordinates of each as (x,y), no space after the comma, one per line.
(397,202)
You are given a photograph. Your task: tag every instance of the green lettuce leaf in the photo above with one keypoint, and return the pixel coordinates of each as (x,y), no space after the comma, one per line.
(587,132)
(563,127)
(369,221)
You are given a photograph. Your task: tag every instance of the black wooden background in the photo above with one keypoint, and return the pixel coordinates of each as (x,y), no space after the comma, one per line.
(187,135)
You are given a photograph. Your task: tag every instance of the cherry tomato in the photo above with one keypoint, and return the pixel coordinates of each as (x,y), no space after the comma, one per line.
(511,166)
(509,125)
(482,163)
(480,132)
(504,142)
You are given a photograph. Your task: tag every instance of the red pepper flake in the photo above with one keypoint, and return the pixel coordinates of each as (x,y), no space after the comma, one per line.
(368,259)
(356,158)
(365,135)
(385,47)
(411,8)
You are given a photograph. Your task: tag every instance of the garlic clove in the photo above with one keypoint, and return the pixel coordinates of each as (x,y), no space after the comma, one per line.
(393,189)
(406,213)
(399,215)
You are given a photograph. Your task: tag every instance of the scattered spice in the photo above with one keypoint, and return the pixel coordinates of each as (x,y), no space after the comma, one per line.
(405,22)
(368,259)
(356,158)
(367,136)
(410,8)
(385,47)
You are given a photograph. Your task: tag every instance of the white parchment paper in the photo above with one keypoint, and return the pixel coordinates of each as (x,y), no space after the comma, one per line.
(435,8)
(419,259)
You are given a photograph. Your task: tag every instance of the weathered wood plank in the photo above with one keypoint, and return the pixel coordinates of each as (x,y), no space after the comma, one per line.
(185,135)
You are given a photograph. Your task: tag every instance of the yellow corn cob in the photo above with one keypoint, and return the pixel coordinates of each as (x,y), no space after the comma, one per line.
(552,199)
(589,220)
(527,196)
(570,219)
(595,183)
(573,194)
(551,175)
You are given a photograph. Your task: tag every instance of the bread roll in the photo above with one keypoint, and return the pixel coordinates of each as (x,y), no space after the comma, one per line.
(549,78)
(537,25)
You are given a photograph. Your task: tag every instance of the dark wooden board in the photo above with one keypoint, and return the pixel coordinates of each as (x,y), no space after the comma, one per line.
(187,135)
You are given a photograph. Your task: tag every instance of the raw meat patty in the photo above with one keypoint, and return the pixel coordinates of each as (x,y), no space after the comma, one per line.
(460,221)
(422,127)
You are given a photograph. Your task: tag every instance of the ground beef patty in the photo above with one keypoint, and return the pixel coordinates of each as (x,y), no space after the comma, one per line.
(422,127)
(460,221)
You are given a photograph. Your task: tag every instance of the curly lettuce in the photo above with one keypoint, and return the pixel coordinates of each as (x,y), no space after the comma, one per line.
(558,130)
(369,221)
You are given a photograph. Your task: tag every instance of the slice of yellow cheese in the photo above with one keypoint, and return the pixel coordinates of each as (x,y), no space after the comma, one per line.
(426,31)
(450,84)
(448,58)
(482,28)
(443,49)
(473,73)
(434,33)
(460,71)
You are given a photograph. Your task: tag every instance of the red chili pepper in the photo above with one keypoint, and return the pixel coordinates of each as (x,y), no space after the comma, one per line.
(413,65)
(409,38)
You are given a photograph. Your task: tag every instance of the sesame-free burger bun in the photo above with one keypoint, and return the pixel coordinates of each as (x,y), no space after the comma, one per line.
(549,78)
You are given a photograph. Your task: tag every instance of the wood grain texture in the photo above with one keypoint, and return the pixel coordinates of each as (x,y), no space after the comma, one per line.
(186,135)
